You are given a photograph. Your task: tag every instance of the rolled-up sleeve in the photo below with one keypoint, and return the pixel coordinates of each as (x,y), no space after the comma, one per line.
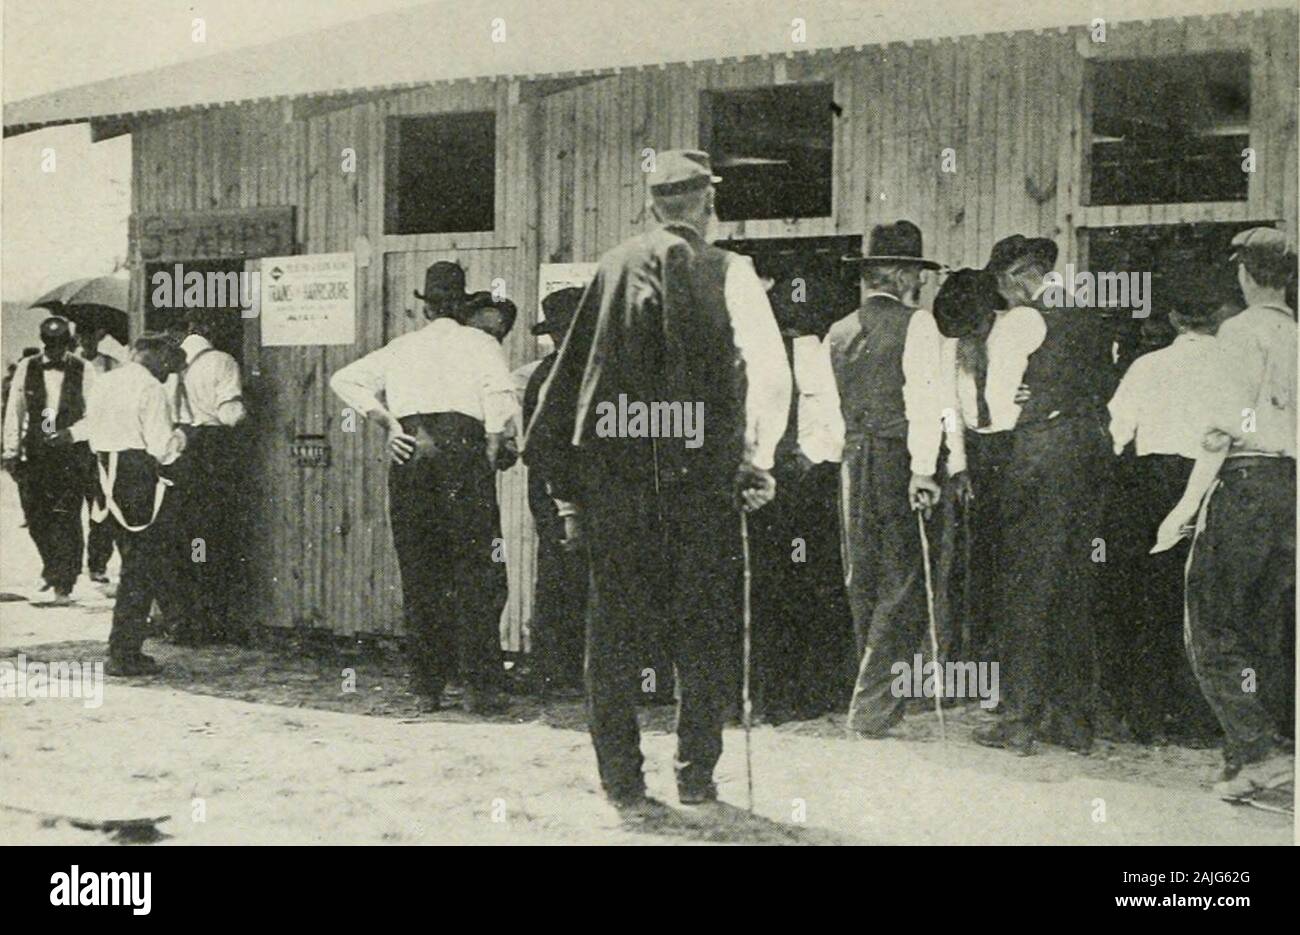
(821,424)
(496,388)
(228,391)
(767,371)
(161,440)
(360,382)
(926,394)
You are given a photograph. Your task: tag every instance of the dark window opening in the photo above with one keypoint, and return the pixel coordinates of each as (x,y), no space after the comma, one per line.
(1168,130)
(812,288)
(1190,272)
(224,281)
(773,149)
(441,174)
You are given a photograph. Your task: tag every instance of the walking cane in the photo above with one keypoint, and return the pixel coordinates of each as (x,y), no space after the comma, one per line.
(934,629)
(746,705)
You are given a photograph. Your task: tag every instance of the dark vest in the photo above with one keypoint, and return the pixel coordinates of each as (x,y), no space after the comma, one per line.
(1071,371)
(867,355)
(787,449)
(653,326)
(72,402)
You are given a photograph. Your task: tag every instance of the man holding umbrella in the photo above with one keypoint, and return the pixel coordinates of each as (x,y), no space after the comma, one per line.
(49,394)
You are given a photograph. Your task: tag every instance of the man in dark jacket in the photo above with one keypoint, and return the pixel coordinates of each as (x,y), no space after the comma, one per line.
(670,330)
(560,600)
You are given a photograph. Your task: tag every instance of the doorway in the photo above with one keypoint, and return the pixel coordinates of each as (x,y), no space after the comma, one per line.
(164,309)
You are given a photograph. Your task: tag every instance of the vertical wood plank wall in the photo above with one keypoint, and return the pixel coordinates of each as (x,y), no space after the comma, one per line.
(570,185)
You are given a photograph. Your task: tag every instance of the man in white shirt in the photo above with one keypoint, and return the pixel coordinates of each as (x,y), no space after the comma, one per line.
(673,321)
(48,394)
(93,347)
(1241,578)
(446,398)
(802,627)
(1157,423)
(207,399)
(128,425)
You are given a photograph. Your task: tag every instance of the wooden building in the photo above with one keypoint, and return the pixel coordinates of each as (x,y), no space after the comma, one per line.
(974,125)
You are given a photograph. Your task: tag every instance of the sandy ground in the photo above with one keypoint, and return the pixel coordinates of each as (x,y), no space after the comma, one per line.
(265,746)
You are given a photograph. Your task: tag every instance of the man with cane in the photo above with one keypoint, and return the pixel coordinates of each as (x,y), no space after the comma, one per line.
(673,321)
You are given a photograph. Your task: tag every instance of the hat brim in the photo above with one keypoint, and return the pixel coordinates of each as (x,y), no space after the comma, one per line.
(546,327)
(916,260)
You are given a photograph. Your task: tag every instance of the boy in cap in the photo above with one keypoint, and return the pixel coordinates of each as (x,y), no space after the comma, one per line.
(49,395)
(884,573)
(1241,578)
(561,598)
(669,318)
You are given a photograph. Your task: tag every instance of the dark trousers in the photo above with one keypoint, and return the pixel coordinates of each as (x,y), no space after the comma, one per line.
(152,558)
(1051,511)
(442,508)
(51,483)
(667,567)
(558,625)
(885,577)
(208,503)
(1241,605)
(802,630)
(982,599)
(1144,674)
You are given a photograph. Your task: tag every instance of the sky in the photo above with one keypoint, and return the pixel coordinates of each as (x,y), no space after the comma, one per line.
(72,221)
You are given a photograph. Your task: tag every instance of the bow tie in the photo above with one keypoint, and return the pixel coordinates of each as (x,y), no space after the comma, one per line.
(55,364)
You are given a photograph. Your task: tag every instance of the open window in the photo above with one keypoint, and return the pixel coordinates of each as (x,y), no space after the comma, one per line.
(773,149)
(1170,129)
(441,173)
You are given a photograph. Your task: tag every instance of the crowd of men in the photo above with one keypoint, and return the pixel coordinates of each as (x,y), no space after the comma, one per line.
(1120,531)
(144,437)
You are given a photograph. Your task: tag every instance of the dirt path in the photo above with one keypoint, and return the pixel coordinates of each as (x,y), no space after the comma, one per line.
(252,746)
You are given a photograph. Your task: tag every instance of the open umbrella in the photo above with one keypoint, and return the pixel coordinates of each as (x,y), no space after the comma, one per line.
(98,304)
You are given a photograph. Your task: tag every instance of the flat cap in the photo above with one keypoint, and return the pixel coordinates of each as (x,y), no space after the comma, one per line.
(681,170)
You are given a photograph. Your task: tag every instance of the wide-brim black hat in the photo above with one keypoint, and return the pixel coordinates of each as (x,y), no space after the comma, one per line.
(1010,250)
(559,308)
(899,242)
(443,273)
(967,299)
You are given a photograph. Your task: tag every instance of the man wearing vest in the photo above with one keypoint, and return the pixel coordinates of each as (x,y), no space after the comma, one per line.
(884,575)
(49,395)
(673,321)
(1050,504)
(129,427)
(802,627)
(208,401)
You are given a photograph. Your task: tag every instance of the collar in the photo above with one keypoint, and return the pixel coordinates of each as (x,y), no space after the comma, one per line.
(193,344)
(443,323)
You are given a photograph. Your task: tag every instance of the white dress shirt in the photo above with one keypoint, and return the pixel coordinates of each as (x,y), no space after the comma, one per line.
(767,371)
(127,410)
(1016,333)
(1159,405)
(821,424)
(214,394)
(1259,379)
(929,396)
(15,420)
(441,367)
